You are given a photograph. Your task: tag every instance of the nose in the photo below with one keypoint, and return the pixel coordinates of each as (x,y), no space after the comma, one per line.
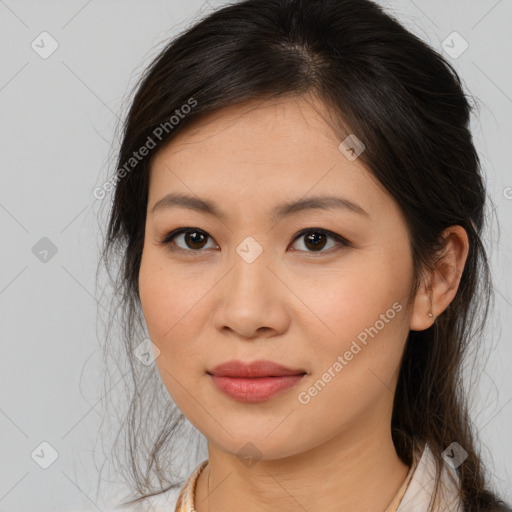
(251,301)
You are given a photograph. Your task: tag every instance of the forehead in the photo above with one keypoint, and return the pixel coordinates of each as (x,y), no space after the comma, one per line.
(265,151)
(264,129)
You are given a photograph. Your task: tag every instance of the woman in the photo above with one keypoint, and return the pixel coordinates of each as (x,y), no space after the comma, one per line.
(299,209)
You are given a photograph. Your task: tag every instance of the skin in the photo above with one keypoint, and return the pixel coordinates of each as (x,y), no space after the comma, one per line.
(293,305)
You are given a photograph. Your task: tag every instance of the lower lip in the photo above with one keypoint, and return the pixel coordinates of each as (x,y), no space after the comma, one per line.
(256,389)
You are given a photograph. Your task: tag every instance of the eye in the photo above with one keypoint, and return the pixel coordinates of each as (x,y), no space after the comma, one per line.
(194,238)
(315,239)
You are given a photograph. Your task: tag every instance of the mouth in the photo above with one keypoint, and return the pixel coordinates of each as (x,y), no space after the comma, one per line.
(254,382)
(254,370)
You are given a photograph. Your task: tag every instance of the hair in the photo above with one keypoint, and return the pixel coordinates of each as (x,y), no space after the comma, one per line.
(407,104)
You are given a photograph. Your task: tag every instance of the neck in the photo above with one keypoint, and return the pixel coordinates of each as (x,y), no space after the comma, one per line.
(349,472)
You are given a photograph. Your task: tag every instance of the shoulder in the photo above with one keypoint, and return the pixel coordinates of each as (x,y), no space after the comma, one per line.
(450,494)
(422,487)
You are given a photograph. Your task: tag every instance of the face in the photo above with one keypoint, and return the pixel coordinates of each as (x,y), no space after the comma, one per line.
(318,289)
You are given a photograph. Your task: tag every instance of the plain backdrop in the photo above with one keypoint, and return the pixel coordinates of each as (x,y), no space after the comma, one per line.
(58,113)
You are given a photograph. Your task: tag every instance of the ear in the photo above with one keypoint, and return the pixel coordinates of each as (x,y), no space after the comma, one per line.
(440,285)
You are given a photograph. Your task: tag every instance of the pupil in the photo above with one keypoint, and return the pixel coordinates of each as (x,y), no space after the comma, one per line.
(189,239)
(313,239)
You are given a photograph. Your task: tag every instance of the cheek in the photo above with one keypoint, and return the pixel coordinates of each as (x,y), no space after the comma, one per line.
(158,285)
(170,309)
(153,296)
(360,315)
(360,357)
(349,298)
(158,301)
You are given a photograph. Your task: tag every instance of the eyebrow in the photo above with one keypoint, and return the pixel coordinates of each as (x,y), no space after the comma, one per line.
(322,202)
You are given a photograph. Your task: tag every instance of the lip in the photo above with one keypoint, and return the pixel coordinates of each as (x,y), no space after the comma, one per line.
(261,368)
(254,382)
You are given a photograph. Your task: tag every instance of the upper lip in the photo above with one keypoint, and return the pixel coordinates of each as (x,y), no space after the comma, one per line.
(260,368)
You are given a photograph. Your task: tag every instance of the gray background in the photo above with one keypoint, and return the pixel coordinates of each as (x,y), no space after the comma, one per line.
(57,137)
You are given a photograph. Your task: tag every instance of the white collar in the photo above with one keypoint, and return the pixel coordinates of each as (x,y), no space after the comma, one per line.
(418,495)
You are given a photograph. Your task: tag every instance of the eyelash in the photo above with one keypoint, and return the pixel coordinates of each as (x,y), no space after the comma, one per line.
(338,238)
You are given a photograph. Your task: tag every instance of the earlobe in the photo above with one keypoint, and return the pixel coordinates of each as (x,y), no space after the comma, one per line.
(422,315)
(440,285)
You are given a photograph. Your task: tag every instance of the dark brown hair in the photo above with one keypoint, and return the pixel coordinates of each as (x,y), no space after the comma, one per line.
(407,104)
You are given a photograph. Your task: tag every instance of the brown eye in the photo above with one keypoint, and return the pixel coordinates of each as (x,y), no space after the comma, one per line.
(315,240)
(192,239)
(195,240)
